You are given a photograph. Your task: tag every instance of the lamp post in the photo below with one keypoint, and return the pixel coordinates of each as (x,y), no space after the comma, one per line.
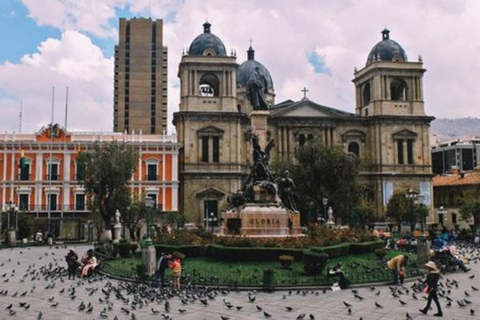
(325,202)
(420,200)
(149,204)
(12,209)
(412,196)
(442,215)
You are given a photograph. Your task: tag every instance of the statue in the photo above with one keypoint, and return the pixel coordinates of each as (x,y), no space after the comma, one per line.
(237,199)
(287,192)
(117,217)
(256,88)
(260,169)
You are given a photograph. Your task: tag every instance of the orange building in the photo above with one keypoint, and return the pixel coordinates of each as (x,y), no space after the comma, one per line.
(47,186)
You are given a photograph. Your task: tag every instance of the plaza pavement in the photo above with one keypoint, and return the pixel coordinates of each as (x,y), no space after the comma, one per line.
(52,297)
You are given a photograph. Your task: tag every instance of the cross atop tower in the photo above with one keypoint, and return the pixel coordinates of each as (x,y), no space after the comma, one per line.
(250,42)
(304,90)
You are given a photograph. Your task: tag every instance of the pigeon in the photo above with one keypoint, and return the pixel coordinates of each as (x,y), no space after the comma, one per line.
(449,304)
(224,318)
(347,304)
(266,314)
(39,315)
(301,316)
(259,308)
(289,308)
(409,317)
(402,302)
(155,312)
(378,305)
(472,312)
(312,317)
(182,310)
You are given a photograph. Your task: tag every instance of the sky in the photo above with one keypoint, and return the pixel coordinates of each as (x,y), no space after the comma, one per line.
(317,44)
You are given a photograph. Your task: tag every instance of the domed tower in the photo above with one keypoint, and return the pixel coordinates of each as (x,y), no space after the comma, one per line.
(389,98)
(389,84)
(210,128)
(244,75)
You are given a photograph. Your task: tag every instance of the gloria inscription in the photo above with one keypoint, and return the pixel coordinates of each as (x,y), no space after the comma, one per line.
(263,223)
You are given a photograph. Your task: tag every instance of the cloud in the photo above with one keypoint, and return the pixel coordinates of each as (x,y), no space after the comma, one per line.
(71,61)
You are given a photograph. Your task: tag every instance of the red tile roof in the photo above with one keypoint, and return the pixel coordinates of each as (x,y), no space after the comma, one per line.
(470,178)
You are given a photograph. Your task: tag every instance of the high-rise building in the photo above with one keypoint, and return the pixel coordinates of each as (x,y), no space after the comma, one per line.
(140,81)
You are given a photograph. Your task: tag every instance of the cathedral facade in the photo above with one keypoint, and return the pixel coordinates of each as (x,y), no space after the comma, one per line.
(389,130)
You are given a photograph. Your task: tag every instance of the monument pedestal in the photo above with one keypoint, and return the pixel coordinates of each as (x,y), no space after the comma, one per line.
(258,122)
(12,237)
(149,259)
(117,230)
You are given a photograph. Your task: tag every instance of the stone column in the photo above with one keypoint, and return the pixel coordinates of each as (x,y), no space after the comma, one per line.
(12,237)
(149,259)
(117,231)
(423,253)
(258,122)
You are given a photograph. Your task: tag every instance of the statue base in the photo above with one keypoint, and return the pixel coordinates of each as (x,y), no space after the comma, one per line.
(258,122)
(117,231)
(255,220)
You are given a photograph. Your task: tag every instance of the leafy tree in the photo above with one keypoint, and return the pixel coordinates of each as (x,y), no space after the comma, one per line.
(107,169)
(398,209)
(470,206)
(134,215)
(323,172)
(26,225)
(363,213)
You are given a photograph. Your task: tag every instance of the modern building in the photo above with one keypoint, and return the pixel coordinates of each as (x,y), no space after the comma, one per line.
(388,130)
(458,154)
(448,190)
(140,79)
(48,186)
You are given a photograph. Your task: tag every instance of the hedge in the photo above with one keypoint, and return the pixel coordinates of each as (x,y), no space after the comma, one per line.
(314,262)
(365,247)
(250,254)
(335,251)
(189,251)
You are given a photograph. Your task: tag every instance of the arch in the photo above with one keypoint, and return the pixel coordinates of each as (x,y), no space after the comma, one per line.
(354,147)
(301,140)
(398,90)
(366,94)
(209,85)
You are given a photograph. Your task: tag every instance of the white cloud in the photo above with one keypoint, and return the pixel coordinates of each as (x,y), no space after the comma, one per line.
(71,61)
(283,33)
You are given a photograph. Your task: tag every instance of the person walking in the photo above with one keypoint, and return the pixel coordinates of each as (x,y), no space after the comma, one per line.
(162,264)
(397,264)
(176,266)
(431,288)
(72,263)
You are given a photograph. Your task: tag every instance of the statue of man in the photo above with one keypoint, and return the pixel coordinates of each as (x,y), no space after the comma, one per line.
(256,87)
(287,192)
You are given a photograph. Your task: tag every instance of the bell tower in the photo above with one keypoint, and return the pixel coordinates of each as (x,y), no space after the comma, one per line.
(389,84)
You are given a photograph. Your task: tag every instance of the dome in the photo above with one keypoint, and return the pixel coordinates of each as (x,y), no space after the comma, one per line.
(248,67)
(207,44)
(387,50)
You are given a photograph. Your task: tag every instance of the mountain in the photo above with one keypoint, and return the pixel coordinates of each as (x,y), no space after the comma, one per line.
(451,129)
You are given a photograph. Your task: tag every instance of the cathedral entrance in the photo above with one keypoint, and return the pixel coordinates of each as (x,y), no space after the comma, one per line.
(210,216)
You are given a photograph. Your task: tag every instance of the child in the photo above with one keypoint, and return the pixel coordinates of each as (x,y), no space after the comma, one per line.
(72,263)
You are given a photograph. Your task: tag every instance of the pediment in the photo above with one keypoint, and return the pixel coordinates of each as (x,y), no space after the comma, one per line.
(210,131)
(405,134)
(353,134)
(210,194)
(305,111)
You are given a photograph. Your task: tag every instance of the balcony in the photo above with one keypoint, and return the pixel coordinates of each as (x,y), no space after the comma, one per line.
(52,177)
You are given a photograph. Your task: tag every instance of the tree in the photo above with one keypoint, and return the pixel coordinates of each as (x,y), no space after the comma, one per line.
(107,169)
(470,206)
(398,209)
(134,215)
(323,172)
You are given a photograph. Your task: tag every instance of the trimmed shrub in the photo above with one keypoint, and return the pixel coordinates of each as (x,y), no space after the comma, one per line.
(365,247)
(250,254)
(380,253)
(189,251)
(124,249)
(314,262)
(286,261)
(334,251)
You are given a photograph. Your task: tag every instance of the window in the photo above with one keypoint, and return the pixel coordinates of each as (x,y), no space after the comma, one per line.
(204,149)
(354,148)
(400,151)
(410,151)
(366,94)
(53,172)
(151,172)
(25,172)
(79,202)
(23,202)
(80,174)
(52,202)
(216,149)
(454,218)
(398,90)
(301,140)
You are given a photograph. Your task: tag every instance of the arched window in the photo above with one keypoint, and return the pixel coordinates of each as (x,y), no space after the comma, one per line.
(301,140)
(354,147)
(366,94)
(398,90)
(209,85)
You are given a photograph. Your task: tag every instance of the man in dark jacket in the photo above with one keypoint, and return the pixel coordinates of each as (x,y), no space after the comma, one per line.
(160,269)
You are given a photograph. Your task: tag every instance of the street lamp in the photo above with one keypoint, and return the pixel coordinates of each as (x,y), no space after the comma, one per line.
(325,202)
(149,204)
(12,209)
(412,196)
(420,199)
(442,215)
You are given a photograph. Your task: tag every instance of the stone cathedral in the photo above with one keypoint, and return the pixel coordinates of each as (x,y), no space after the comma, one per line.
(389,129)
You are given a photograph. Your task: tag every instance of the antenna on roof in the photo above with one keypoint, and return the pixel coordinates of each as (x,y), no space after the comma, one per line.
(20,117)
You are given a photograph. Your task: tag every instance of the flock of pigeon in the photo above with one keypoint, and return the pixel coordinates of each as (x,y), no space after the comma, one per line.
(34,286)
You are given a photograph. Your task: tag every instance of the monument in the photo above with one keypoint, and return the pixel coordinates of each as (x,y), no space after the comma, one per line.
(117,227)
(265,206)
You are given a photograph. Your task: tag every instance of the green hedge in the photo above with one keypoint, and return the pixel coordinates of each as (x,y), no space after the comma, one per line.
(250,254)
(188,251)
(314,262)
(365,247)
(335,251)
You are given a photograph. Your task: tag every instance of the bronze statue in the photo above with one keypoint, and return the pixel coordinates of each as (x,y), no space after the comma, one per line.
(287,192)
(256,88)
